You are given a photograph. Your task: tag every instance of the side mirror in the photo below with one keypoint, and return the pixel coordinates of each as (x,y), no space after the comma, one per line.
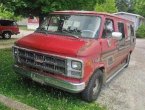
(117,35)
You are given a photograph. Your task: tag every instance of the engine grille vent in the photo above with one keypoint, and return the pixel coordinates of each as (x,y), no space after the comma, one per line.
(42,62)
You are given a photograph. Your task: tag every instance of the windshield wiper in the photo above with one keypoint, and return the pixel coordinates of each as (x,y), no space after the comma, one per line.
(72,35)
(41,30)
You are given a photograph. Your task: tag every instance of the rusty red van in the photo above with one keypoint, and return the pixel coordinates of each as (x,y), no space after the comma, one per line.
(76,51)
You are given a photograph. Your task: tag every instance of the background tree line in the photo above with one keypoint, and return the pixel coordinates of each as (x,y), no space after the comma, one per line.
(14,9)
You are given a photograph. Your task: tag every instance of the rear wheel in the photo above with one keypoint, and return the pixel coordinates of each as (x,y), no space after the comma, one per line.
(93,88)
(6,35)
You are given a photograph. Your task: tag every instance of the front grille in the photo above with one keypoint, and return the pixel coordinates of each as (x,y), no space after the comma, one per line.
(41,62)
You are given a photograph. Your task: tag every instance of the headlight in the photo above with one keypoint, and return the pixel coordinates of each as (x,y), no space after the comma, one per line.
(75,68)
(76,65)
(15,51)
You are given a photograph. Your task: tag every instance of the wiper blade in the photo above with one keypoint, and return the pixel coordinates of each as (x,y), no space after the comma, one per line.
(41,30)
(72,35)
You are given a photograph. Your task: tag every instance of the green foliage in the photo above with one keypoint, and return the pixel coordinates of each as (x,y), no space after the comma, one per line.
(107,6)
(39,7)
(5,14)
(140,33)
(43,7)
(133,6)
(140,7)
(3,107)
(122,5)
(36,95)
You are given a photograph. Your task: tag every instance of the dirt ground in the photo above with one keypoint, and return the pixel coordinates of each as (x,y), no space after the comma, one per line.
(127,90)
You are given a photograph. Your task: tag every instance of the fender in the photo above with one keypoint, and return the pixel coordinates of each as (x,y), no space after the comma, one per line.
(7,31)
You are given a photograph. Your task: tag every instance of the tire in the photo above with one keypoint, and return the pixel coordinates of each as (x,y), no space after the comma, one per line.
(93,88)
(127,60)
(6,35)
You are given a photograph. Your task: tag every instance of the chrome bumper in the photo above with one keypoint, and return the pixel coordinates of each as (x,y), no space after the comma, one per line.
(64,85)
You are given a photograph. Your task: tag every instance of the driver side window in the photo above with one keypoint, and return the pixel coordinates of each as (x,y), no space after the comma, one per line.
(108,28)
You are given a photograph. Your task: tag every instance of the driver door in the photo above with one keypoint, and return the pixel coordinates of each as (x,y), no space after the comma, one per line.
(109,48)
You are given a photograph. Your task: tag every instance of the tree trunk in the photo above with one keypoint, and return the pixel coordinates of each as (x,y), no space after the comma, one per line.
(41,18)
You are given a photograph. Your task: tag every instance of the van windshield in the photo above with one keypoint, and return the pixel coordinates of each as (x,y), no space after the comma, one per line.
(71,25)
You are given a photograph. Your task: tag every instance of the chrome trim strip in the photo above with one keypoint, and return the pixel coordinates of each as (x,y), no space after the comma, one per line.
(110,78)
(64,85)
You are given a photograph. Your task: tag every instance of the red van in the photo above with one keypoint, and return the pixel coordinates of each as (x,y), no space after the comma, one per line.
(8,28)
(77,51)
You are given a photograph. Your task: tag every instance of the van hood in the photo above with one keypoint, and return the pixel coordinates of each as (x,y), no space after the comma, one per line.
(57,44)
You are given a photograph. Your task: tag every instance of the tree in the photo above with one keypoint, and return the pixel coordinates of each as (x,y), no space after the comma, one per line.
(107,6)
(6,14)
(122,5)
(43,7)
(140,7)
(132,6)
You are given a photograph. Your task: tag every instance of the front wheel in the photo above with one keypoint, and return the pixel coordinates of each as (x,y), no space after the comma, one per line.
(93,88)
(6,35)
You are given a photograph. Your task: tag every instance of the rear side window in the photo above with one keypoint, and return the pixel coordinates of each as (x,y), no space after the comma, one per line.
(132,30)
(121,29)
(7,23)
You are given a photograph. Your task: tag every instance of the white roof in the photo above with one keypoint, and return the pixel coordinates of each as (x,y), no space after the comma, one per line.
(132,14)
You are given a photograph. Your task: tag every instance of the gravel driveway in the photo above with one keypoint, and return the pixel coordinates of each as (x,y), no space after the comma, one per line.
(127,90)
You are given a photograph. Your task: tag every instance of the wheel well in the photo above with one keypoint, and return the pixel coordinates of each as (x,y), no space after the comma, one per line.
(7,31)
(102,69)
(103,72)
(103,75)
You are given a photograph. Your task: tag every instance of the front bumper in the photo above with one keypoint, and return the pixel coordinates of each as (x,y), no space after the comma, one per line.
(61,84)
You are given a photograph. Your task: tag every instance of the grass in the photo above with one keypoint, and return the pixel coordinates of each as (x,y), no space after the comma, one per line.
(3,107)
(34,94)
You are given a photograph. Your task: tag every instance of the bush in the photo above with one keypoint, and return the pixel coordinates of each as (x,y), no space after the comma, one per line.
(140,33)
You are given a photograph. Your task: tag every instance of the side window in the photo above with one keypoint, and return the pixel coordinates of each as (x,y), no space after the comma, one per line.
(121,29)
(13,23)
(5,23)
(108,28)
(129,30)
(132,30)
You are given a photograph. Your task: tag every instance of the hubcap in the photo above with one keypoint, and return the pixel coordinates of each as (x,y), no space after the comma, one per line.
(7,35)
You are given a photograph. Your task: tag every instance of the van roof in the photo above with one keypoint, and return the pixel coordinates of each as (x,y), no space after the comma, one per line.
(131,14)
(88,12)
